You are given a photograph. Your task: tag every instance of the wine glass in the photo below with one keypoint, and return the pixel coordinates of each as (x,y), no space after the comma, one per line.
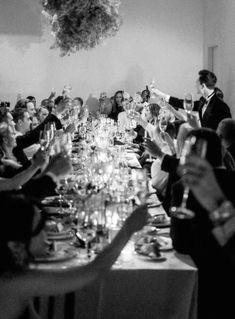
(67,90)
(188,102)
(43,139)
(61,190)
(191,146)
(141,186)
(152,87)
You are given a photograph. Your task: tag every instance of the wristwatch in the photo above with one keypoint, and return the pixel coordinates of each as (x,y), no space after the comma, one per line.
(223,212)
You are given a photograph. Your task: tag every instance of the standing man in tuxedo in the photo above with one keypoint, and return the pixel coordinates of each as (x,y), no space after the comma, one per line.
(210,107)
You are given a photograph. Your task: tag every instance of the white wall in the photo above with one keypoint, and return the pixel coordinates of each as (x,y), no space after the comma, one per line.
(160,39)
(219,29)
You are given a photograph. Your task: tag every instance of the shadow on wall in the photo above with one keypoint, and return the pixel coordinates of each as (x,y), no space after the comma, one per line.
(132,83)
(134,79)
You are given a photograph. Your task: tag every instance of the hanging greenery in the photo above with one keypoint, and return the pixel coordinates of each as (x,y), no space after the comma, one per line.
(81,24)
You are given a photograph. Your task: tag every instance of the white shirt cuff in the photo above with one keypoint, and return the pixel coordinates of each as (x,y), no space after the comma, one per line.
(167,98)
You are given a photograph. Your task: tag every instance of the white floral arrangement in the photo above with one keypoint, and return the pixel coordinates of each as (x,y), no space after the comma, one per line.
(81,24)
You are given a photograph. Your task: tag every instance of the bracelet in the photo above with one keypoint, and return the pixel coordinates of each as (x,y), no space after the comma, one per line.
(223,212)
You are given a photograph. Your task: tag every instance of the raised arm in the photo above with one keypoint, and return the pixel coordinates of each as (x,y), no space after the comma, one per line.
(23,177)
(46,282)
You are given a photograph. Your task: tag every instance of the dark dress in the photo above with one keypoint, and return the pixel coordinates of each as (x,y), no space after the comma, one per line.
(216,268)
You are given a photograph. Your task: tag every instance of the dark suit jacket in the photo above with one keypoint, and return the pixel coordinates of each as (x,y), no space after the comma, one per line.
(179,103)
(216,110)
(40,187)
(32,137)
(216,264)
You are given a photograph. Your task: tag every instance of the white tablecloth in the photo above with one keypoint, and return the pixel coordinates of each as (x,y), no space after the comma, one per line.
(135,288)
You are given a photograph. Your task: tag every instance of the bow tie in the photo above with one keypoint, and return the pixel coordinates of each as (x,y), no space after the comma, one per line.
(203,101)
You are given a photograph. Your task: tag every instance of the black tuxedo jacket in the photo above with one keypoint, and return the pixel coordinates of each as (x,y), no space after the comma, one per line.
(216,110)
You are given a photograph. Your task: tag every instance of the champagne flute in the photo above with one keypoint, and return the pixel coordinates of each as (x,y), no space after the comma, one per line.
(43,139)
(191,146)
(151,88)
(188,102)
(61,190)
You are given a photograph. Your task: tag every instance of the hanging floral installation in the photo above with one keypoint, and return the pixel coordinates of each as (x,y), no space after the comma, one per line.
(81,24)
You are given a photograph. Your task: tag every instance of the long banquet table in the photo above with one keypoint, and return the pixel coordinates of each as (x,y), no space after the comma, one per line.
(135,288)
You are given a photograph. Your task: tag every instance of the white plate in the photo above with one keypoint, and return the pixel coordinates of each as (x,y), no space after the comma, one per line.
(60,235)
(59,256)
(150,257)
(165,243)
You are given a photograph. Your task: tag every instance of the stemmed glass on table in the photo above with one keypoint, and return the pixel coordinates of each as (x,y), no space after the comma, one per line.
(61,190)
(198,147)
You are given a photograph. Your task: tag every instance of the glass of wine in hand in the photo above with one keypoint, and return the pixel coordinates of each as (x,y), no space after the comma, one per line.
(198,147)
(188,102)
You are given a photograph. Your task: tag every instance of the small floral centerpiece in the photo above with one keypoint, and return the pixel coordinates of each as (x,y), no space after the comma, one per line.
(81,24)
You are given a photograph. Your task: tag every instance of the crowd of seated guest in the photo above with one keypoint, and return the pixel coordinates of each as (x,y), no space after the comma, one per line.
(28,169)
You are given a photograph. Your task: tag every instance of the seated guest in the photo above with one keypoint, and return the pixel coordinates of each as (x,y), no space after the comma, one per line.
(194,236)
(42,113)
(150,121)
(5,104)
(145,94)
(226,132)
(6,116)
(211,108)
(27,105)
(33,136)
(18,180)
(37,185)
(33,100)
(24,240)
(211,235)
(34,123)
(168,162)
(117,106)
(78,103)
(23,125)
(7,144)
(47,104)
(22,121)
